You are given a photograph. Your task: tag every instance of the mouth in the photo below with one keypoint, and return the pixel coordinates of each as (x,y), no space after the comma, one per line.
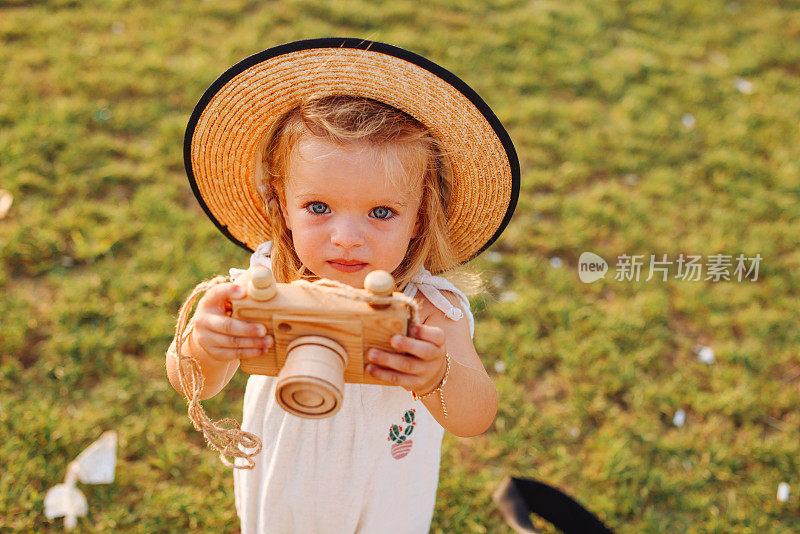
(349,266)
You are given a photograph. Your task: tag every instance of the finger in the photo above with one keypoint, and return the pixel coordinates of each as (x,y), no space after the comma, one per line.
(419,348)
(217,297)
(222,324)
(234,354)
(392,377)
(431,334)
(235,342)
(404,363)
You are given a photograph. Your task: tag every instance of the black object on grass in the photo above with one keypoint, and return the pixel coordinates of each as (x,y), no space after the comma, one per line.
(517,498)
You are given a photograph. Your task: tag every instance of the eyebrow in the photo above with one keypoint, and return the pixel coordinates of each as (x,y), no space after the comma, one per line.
(310,195)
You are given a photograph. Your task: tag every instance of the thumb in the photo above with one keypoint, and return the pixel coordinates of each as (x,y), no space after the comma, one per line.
(217,298)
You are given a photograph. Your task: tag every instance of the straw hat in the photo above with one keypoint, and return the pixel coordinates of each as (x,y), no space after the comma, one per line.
(221,146)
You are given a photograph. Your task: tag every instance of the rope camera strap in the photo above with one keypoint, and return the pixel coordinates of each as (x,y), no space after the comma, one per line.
(332,287)
(224,435)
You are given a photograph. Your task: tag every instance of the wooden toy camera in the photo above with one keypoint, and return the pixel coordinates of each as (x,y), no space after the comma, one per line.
(321,337)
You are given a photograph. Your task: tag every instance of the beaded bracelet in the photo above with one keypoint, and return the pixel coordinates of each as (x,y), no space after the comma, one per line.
(438,388)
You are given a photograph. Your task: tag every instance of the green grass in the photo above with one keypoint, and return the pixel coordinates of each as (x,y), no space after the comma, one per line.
(105,240)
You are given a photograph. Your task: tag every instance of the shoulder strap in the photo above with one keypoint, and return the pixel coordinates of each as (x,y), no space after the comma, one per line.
(261,256)
(431,286)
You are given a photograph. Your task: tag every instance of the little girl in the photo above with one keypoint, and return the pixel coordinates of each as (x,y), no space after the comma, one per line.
(345,182)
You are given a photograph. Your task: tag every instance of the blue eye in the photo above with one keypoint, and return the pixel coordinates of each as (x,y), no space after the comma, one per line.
(382,213)
(318,207)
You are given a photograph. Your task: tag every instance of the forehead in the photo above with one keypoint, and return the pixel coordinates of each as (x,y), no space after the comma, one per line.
(317,165)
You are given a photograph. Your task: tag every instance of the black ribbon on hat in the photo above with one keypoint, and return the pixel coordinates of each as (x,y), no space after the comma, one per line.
(517,498)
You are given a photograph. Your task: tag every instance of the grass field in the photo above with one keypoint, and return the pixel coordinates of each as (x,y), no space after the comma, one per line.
(642,127)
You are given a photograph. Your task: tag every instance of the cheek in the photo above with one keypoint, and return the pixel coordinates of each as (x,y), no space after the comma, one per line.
(396,249)
(306,241)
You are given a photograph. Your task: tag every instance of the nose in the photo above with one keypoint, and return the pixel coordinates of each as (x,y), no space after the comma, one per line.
(347,235)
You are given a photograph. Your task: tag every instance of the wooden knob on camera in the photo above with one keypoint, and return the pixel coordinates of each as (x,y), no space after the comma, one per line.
(379,283)
(262,284)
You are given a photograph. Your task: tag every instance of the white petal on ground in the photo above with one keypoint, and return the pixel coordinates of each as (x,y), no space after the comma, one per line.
(494,257)
(5,202)
(744,86)
(783,492)
(687,119)
(719,59)
(556,262)
(508,296)
(499,366)
(65,500)
(706,355)
(631,179)
(679,418)
(96,464)
(498,281)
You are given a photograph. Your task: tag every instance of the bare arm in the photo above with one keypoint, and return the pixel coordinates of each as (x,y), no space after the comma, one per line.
(217,342)
(470,396)
(216,374)
(420,365)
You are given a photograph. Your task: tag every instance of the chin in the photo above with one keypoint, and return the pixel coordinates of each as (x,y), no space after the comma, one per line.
(352,279)
(355,281)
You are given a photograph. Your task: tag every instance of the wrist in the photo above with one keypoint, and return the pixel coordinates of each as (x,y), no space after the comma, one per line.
(435,383)
(438,388)
(196,350)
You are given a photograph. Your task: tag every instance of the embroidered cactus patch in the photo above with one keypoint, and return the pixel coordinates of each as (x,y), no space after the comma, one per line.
(399,435)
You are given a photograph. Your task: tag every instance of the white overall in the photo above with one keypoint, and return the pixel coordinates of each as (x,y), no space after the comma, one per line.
(350,472)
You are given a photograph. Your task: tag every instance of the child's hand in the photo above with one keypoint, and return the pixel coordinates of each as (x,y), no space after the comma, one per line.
(420,365)
(222,337)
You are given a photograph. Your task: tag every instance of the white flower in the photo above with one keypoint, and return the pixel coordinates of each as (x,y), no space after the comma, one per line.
(687,119)
(556,262)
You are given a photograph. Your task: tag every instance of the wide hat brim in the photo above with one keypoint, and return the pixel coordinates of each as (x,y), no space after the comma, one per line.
(226,129)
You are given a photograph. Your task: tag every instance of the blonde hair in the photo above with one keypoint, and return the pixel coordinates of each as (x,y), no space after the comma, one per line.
(346,120)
